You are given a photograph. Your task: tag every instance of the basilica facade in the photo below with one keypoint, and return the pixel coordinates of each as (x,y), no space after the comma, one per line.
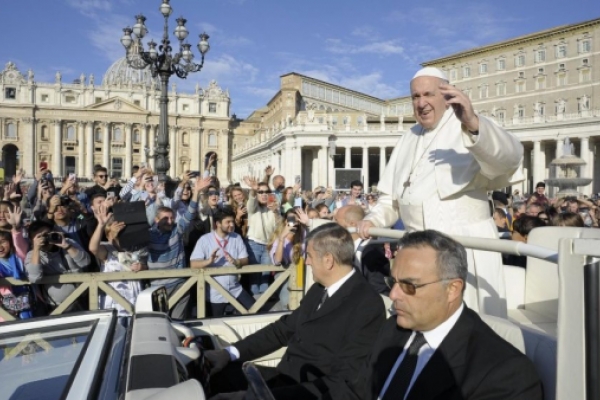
(75,126)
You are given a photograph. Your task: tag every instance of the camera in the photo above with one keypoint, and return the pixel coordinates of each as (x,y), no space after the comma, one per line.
(291,220)
(65,201)
(193,174)
(54,238)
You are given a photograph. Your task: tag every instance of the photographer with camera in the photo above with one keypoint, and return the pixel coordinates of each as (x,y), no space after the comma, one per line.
(54,254)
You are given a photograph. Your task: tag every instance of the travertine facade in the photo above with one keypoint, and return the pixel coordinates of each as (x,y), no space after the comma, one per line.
(74,126)
(543,87)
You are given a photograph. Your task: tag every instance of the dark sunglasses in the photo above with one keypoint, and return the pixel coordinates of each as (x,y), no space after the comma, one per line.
(101,176)
(263,191)
(408,287)
(212,193)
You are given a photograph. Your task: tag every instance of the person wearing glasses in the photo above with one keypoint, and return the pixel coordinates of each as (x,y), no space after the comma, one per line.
(102,183)
(328,337)
(263,217)
(435,347)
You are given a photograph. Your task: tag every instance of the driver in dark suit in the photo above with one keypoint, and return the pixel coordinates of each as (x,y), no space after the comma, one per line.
(328,337)
(436,347)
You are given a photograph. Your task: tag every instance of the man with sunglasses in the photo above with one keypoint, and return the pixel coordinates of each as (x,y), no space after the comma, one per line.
(103,184)
(435,347)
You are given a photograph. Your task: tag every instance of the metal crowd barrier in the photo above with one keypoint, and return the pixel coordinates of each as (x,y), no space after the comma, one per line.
(97,282)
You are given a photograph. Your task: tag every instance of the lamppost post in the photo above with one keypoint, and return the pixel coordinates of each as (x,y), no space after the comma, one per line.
(163,64)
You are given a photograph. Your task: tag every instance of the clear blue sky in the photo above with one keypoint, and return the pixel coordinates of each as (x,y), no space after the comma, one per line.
(370,46)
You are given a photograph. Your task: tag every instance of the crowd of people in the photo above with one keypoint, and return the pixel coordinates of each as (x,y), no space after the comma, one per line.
(48,230)
(439,181)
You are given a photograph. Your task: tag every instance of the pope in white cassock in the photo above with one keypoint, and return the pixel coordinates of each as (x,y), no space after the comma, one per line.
(438,177)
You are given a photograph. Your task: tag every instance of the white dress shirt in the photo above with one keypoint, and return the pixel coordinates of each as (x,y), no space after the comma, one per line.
(434,339)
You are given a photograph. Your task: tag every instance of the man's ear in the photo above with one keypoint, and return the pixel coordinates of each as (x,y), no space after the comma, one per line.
(455,289)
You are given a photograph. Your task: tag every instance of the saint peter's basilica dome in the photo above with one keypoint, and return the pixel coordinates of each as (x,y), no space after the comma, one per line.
(121,74)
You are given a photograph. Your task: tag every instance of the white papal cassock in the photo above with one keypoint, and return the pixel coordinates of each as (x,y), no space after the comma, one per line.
(450,172)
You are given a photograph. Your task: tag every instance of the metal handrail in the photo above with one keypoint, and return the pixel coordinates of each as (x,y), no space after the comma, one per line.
(501,246)
(97,281)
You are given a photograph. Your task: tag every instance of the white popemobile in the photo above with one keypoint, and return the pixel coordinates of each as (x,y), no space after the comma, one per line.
(553,318)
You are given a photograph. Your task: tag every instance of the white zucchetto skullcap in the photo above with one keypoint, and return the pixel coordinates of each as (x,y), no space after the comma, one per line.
(431,71)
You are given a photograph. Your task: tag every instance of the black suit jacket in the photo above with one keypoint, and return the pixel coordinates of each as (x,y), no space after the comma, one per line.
(375,266)
(325,347)
(472,362)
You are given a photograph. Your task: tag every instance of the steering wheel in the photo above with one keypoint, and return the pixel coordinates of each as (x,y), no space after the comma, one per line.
(257,387)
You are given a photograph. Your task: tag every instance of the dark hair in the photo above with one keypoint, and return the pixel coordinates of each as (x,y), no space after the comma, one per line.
(526,223)
(222,213)
(100,169)
(37,226)
(8,204)
(321,206)
(356,183)
(567,219)
(451,256)
(335,240)
(96,195)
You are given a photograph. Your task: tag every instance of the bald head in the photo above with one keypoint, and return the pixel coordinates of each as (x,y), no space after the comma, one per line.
(278,182)
(348,216)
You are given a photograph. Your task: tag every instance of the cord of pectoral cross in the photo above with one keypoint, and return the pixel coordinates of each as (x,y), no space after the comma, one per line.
(414,164)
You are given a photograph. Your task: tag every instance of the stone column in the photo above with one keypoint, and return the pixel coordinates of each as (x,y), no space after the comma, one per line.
(80,148)
(347,158)
(106,147)
(28,160)
(323,166)
(538,166)
(296,164)
(591,162)
(128,151)
(144,142)
(381,161)
(89,150)
(365,167)
(584,153)
(57,156)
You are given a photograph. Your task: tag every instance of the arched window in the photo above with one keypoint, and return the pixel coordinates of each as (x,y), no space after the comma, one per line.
(117,135)
(98,135)
(185,139)
(212,139)
(71,133)
(11,130)
(136,136)
(44,132)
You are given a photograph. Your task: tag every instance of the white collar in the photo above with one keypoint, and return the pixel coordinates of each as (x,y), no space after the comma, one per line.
(334,288)
(435,336)
(360,243)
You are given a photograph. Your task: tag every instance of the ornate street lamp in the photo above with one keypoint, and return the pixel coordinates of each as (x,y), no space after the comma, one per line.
(163,63)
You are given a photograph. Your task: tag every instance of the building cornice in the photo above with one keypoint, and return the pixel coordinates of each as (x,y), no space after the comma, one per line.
(513,42)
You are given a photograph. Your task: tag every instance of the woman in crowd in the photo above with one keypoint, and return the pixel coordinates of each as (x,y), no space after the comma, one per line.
(112,258)
(286,247)
(237,201)
(287,199)
(18,301)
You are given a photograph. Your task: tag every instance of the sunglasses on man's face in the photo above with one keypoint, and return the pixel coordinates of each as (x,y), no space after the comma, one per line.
(263,191)
(408,287)
(101,176)
(213,193)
